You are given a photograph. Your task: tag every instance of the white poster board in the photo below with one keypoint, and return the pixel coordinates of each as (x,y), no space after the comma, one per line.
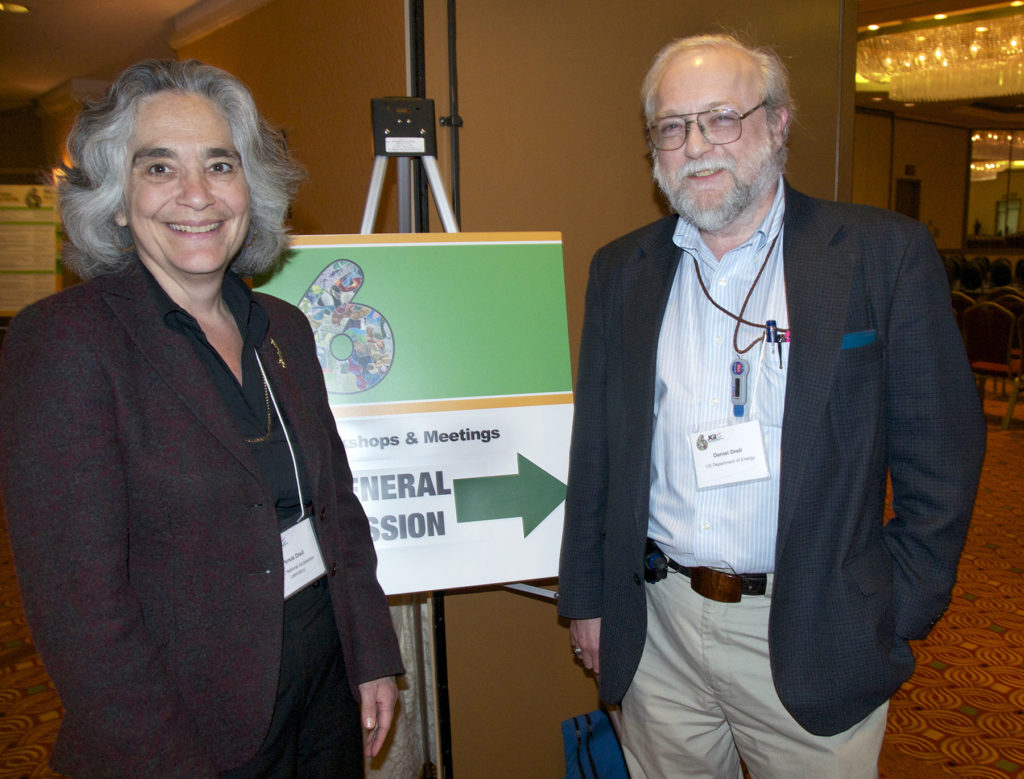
(446,359)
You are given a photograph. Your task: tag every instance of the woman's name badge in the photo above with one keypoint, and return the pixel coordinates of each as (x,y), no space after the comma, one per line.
(729,455)
(303,564)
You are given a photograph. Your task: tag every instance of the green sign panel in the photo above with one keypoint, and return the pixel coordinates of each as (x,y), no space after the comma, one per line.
(446,359)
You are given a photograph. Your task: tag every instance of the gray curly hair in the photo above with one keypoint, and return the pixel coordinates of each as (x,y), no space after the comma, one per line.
(92,187)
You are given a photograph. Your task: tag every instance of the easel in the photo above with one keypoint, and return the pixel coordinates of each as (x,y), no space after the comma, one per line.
(403,127)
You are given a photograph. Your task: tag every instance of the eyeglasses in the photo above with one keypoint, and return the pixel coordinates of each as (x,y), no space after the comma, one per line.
(718,126)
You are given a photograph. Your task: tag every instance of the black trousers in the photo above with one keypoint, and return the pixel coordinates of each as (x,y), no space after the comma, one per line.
(315,731)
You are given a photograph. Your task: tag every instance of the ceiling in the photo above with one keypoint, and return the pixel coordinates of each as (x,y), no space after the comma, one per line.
(94,40)
(60,40)
(89,39)
(987,113)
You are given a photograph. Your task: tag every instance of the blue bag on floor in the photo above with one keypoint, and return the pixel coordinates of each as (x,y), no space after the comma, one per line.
(592,749)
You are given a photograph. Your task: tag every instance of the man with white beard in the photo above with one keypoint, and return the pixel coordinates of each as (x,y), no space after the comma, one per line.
(750,374)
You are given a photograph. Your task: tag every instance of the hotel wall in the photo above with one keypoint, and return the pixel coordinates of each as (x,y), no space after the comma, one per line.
(887,149)
(553,140)
(313,66)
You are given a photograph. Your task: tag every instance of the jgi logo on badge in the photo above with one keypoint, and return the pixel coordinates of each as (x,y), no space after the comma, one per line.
(710,438)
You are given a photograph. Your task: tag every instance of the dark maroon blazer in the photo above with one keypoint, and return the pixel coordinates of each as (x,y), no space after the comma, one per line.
(146,542)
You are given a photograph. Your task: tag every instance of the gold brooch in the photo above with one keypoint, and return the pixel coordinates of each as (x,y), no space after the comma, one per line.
(280,357)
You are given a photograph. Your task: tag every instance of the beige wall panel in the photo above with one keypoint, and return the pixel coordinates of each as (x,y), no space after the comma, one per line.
(939,156)
(872,155)
(553,135)
(885,146)
(313,66)
(553,139)
(512,681)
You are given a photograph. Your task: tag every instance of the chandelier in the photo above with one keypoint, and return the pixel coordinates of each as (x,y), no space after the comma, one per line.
(983,57)
(995,151)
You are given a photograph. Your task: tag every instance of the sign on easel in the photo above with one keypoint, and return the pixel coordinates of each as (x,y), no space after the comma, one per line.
(446,360)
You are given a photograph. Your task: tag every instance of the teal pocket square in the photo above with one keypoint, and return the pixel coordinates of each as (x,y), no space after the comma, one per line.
(860,338)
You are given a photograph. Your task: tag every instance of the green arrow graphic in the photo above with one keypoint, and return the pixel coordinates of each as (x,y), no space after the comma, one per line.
(532,494)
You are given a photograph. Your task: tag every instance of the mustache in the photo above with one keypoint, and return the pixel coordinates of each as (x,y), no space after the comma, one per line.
(705,166)
(667,178)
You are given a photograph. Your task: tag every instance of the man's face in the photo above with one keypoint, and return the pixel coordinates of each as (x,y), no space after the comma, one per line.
(713,186)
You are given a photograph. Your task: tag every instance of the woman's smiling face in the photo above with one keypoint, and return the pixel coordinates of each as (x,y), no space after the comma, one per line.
(188,199)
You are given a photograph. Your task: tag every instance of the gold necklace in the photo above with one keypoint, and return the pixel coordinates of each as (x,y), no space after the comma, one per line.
(265,436)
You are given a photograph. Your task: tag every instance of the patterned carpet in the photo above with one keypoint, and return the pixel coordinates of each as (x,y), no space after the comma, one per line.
(29,706)
(961,714)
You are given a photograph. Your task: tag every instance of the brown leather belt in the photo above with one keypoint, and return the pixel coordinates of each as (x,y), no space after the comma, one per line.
(722,586)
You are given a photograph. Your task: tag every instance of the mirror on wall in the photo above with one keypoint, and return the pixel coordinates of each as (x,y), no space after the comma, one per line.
(996,188)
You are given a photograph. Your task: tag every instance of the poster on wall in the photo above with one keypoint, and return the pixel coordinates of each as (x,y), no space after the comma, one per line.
(28,245)
(446,360)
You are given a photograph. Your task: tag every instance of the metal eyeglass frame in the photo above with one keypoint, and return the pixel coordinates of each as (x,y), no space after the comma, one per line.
(703,130)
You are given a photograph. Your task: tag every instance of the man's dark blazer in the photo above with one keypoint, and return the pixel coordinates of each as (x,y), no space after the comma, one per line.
(849,591)
(146,542)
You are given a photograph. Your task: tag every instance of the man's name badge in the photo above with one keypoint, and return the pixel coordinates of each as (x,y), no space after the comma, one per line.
(303,563)
(729,455)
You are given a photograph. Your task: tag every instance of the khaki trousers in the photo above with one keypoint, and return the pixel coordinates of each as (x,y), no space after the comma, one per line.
(703,697)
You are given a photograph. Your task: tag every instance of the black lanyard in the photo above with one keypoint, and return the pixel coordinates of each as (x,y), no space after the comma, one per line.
(739,319)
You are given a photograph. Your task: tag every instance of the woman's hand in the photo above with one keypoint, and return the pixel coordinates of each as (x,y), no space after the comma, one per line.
(376,711)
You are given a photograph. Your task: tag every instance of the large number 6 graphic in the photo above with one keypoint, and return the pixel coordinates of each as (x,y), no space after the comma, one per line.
(354,343)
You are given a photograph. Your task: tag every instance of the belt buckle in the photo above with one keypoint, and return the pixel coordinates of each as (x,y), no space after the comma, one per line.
(717,585)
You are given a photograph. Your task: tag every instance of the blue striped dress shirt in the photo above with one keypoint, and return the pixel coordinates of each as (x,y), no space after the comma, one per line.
(731,526)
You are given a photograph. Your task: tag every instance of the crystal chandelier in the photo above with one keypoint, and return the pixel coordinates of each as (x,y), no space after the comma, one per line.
(972,59)
(995,151)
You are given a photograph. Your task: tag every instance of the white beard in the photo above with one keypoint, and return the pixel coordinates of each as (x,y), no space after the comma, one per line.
(746,190)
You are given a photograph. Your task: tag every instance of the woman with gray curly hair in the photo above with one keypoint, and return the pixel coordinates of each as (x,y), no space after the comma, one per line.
(196,571)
